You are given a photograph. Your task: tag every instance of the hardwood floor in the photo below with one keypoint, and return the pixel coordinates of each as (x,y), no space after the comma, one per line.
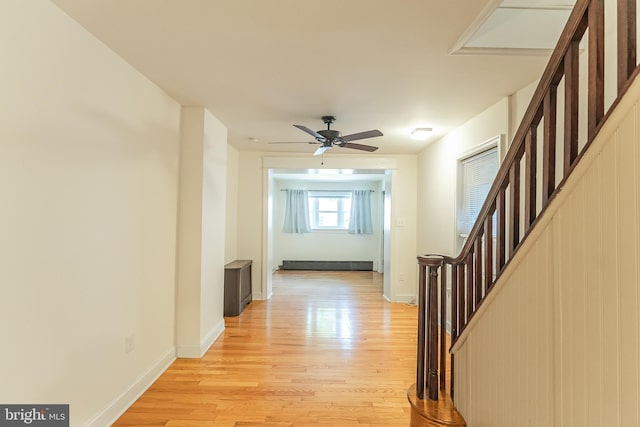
(326,350)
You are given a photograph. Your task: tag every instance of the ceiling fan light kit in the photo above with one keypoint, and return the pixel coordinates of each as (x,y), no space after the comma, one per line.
(330,138)
(421,133)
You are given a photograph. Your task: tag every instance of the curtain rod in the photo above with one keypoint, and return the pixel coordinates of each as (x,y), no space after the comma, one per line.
(333,191)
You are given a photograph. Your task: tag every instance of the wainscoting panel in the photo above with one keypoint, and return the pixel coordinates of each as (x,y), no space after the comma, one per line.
(559,342)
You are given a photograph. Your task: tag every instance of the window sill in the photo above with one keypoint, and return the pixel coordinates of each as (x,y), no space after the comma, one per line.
(330,230)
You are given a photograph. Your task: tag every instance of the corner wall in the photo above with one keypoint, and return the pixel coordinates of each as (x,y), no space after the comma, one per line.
(231,219)
(88,181)
(201,231)
(437,177)
(214,195)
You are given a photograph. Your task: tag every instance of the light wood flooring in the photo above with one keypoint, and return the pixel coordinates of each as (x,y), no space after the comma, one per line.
(326,350)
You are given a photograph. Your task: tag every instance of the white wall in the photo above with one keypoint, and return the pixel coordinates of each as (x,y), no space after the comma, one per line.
(189,244)
(201,229)
(437,176)
(557,343)
(386,244)
(325,245)
(88,181)
(251,216)
(403,268)
(214,195)
(518,104)
(231,218)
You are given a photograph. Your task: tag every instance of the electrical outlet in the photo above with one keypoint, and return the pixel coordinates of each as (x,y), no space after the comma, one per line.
(129,343)
(401,275)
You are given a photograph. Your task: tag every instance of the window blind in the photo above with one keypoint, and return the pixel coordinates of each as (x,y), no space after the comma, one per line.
(477,175)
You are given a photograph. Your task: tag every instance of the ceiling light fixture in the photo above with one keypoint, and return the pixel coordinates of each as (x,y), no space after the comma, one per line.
(421,133)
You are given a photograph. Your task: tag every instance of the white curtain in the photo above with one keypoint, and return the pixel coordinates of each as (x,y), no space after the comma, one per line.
(296,214)
(360,218)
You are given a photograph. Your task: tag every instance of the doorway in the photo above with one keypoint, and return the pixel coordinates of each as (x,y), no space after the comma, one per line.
(331,189)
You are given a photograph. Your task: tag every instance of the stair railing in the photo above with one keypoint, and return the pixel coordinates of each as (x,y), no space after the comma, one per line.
(517,199)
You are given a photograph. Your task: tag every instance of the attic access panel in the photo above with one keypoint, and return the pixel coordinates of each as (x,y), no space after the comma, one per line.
(523,27)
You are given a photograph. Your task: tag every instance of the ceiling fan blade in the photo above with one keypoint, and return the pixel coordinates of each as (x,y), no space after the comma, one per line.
(293,142)
(362,135)
(359,146)
(309,131)
(321,150)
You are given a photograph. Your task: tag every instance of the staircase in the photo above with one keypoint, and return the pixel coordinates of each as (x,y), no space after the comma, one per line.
(535,269)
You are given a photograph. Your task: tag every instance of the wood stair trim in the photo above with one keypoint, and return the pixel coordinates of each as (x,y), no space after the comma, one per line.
(434,413)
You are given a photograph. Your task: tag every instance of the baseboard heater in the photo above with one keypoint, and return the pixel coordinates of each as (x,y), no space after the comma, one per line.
(328,265)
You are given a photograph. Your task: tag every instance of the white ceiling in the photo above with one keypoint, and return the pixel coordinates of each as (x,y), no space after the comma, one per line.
(261,66)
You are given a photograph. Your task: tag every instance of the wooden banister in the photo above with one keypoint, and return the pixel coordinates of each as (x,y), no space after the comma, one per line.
(626,41)
(503,221)
(427,372)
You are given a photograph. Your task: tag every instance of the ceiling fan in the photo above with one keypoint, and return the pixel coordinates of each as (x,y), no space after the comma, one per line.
(330,137)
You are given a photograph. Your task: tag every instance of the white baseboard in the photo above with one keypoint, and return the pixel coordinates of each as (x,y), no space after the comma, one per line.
(197,351)
(261,297)
(110,413)
(402,298)
(211,337)
(406,298)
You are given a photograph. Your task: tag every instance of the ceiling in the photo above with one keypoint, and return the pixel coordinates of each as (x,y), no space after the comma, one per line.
(262,66)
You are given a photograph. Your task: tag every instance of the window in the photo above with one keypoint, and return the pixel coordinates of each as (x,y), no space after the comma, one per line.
(476,175)
(329,210)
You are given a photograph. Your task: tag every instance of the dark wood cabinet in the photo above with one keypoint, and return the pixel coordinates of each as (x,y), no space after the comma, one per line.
(237,287)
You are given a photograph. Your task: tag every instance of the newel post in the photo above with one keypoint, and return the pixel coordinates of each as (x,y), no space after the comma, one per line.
(428,327)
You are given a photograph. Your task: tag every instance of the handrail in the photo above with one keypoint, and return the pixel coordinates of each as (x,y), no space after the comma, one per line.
(480,263)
